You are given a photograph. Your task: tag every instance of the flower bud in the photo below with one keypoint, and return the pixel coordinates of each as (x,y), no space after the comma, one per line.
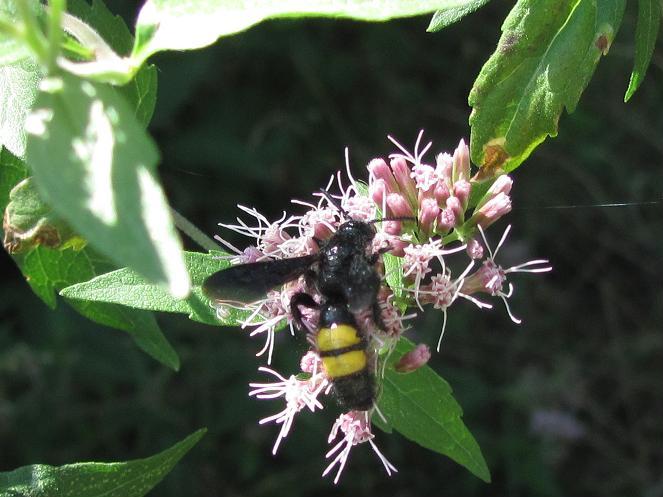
(446,220)
(398,247)
(394,228)
(379,169)
(398,206)
(462,190)
(421,195)
(474,249)
(405,183)
(492,210)
(413,360)
(441,193)
(444,167)
(454,204)
(428,212)
(502,184)
(377,190)
(461,162)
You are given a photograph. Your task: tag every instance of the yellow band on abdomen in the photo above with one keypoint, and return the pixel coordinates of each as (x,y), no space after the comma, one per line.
(337,337)
(344,364)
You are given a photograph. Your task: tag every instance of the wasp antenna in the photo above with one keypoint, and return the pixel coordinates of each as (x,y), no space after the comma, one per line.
(335,202)
(403,218)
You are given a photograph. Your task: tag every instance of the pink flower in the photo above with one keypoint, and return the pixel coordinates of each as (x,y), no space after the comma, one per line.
(491,277)
(413,360)
(417,272)
(298,394)
(424,176)
(321,222)
(356,429)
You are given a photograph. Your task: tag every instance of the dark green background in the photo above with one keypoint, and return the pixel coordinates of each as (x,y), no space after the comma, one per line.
(263,117)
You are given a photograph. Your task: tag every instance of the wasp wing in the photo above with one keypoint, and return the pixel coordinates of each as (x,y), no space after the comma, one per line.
(250,282)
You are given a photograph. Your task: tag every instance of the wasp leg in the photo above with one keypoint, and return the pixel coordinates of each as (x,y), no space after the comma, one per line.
(310,277)
(376,255)
(301,299)
(377,317)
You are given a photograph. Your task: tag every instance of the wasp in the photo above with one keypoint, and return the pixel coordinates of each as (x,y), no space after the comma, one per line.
(344,273)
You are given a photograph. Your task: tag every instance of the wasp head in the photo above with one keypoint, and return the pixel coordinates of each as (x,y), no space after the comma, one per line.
(358,232)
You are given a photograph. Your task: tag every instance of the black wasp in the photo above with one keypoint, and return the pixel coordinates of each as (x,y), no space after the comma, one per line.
(344,273)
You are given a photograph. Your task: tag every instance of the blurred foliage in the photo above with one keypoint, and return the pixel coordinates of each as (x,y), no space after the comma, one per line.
(568,403)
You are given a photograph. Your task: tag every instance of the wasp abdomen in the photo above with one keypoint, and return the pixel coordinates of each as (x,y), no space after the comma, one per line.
(343,355)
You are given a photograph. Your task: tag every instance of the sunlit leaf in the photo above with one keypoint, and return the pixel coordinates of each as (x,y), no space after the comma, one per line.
(544,60)
(18,91)
(94,164)
(126,287)
(141,91)
(453,11)
(49,270)
(188,24)
(12,49)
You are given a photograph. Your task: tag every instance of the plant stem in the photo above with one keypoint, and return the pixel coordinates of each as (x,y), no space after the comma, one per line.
(32,31)
(189,229)
(56,7)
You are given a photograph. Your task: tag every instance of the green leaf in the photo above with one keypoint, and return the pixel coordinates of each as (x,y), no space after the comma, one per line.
(544,60)
(141,325)
(188,24)
(646,32)
(126,287)
(12,171)
(12,49)
(141,91)
(420,406)
(453,11)
(48,271)
(94,479)
(94,163)
(393,269)
(18,90)
(29,222)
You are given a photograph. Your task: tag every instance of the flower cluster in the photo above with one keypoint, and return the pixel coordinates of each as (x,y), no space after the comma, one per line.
(435,251)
